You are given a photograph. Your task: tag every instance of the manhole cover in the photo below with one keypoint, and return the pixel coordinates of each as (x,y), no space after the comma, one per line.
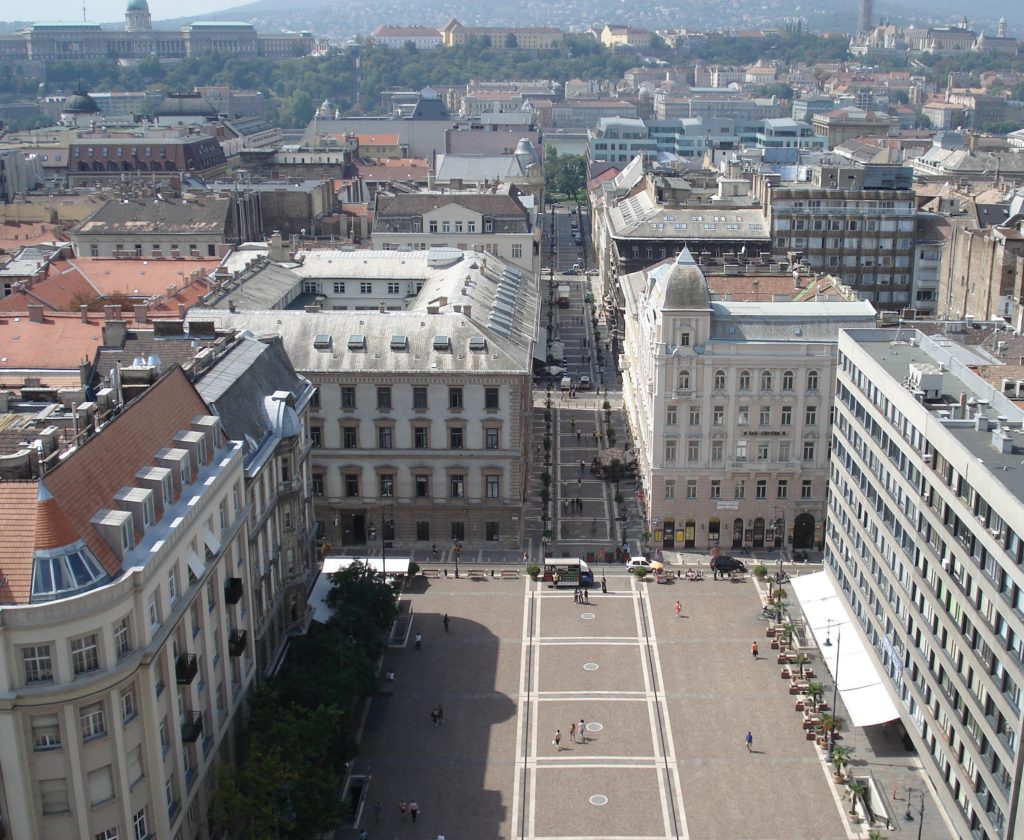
(590,666)
(598,799)
(588,616)
(595,727)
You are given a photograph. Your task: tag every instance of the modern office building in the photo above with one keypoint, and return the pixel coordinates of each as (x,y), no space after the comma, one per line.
(728,403)
(925,545)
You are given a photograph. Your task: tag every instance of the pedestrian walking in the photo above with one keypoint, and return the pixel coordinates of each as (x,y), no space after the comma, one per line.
(583,731)
(579,434)
(440,715)
(750,742)
(575,596)
(579,481)
(679,609)
(586,596)
(433,716)
(414,810)
(401,809)
(753,650)
(557,741)
(376,811)
(595,435)
(445,622)
(419,640)
(573,423)
(572,732)
(604,585)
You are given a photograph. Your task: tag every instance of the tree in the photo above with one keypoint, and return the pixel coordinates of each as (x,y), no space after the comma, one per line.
(550,169)
(571,175)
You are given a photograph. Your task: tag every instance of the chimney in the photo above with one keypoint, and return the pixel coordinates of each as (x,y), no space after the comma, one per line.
(114,333)
(141,311)
(35,313)
(467,310)
(111,312)
(83,312)
(182,309)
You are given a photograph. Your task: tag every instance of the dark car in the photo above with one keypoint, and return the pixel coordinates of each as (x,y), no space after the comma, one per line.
(723,565)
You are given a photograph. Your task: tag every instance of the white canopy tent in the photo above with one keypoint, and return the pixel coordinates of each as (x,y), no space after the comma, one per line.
(861,685)
(318,596)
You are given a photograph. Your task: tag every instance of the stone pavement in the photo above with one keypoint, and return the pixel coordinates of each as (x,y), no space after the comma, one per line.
(667,700)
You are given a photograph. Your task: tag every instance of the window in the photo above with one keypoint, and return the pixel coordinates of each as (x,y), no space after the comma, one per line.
(716,488)
(783,489)
(129,708)
(761,488)
(684,340)
(421,437)
(784,453)
(457,486)
(154,610)
(491,398)
(455,437)
(446,227)
(517,251)
(94,250)
(454,398)
(684,380)
(422,486)
(492,531)
(743,416)
(491,437)
(740,491)
(744,380)
(670,489)
(99,785)
(339,287)
(762,452)
(383,398)
(719,380)
(810,415)
(423,530)
(787,380)
(317,484)
(808,450)
(812,380)
(806,488)
(92,721)
(470,227)
(85,655)
(315,437)
(387,485)
(366,288)
(385,437)
(717,451)
(38,665)
(694,415)
(165,739)
(351,484)
(765,417)
(787,415)
(692,451)
(134,765)
(394,289)
(348,396)
(172,584)
(349,437)
(670,451)
(432,226)
(54,796)
(109,834)
(741,450)
(670,415)
(45,732)
(419,398)
(139,824)
(691,488)
(492,485)
(766,380)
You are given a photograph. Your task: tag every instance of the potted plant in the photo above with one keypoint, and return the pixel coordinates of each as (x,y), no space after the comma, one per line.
(840,759)
(815,690)
(760,571)
(801,660)
(787,634)
(533,570)
(640,572)
(857,790)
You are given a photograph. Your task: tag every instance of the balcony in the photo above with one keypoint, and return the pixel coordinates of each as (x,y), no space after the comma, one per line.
(185,668)
(232,591)
(192,727)
(236,642)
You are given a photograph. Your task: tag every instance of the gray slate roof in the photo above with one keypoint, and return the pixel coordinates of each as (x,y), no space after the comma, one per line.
(488,204)
(207,215)
(801,321)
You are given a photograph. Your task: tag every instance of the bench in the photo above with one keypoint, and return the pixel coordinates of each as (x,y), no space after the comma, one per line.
(510,574)
(430,573)
(475,574)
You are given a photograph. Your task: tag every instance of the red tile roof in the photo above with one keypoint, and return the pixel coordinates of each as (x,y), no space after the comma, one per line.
(53,528)
(18,525)
(13,237)
(61,342)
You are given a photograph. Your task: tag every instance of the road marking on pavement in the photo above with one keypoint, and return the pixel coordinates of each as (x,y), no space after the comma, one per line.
(521,745)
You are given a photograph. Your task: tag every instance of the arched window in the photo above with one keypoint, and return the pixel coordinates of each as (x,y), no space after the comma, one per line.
(787,380)
(744,380)
(719,380)
(684,380)
(812,380)
(766,380)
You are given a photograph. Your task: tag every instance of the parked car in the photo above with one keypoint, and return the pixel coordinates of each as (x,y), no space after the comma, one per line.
(584,382)
(723,564)
(638,563)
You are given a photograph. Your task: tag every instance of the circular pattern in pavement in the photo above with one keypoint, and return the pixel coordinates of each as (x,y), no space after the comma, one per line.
(588,616)
(595,727)
(590,666)
(598,799)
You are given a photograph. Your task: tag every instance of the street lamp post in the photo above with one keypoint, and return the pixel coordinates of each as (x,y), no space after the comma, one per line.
(835,695)
(455,550)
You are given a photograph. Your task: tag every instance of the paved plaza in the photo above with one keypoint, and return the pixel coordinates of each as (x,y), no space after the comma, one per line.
(667,702)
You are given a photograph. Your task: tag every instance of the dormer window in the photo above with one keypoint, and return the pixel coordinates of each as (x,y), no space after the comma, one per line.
(65,571)
(167,490)
(127,535)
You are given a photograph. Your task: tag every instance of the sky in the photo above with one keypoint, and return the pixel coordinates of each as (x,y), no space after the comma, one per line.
(104,11)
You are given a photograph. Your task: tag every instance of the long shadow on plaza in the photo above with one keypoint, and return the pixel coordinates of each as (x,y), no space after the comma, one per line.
(458,772)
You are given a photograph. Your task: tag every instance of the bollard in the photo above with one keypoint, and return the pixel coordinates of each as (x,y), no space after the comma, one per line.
(492,572)
(446,572)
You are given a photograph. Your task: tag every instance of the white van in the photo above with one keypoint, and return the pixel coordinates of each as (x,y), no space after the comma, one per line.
(566,383)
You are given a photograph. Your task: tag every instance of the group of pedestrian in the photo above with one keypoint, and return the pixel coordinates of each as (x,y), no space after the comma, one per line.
(575,730)
(581,595)
(575,503)
(437,715)
(412,808)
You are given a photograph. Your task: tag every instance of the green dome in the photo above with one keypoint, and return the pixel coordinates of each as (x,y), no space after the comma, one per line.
(80,103)
(138,6)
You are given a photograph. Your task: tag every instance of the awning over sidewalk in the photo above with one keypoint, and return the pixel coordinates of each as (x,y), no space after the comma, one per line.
(864,695)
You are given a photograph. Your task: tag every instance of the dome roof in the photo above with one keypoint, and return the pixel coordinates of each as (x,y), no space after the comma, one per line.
(680,285)
(80,103)
(185,105)
(282,417)
(137,6)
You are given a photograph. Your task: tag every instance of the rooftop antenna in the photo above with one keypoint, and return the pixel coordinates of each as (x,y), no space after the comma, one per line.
(84,18)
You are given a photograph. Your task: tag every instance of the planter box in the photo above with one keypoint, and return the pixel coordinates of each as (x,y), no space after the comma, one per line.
(785,673)
(811,736)
(799,705)
(775,644)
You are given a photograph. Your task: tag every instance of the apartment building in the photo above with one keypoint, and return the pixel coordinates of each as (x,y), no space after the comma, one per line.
(924,550)
(497,223)
(856,222)
(728,403)
(420,431)
(125,620)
